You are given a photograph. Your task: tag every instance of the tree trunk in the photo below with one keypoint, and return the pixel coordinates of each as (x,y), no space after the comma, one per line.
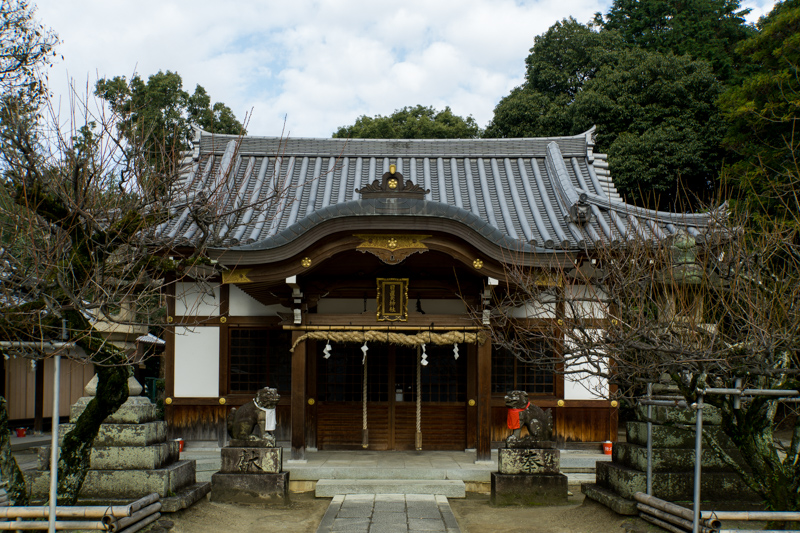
(76,448)
(9,469)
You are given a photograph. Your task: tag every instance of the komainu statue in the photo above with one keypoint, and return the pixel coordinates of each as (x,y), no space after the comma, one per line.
(254,422)
(521,412)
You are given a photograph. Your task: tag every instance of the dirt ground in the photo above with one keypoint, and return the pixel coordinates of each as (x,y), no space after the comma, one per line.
(474,515)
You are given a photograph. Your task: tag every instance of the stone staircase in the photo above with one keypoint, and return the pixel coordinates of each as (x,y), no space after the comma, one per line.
(673,465)
(451,488)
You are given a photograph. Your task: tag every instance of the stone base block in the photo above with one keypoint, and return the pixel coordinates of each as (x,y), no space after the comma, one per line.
(261,489)
(672,486)
(124,457)
(610,499)
(125,434)
(267,441)
(135,410)
(122,484)
(529,461)
(251,460)
(528,489)
(670,460)
(672,436)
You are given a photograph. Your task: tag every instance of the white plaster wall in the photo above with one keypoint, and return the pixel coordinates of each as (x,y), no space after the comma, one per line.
(587,301)
(196,362)
(579,381)
(242,304)
(536,309)
(196,299)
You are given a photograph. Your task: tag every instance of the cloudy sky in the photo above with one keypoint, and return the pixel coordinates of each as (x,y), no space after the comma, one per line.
(318,63)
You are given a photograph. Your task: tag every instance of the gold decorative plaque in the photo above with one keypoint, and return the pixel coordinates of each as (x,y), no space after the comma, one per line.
(236,276)
(392,299)
(392,249)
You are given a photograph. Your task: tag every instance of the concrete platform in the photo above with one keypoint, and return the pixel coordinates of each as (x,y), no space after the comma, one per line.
(327,488)
(392,513)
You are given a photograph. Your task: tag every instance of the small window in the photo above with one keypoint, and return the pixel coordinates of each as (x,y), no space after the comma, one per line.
(260,358)
(509,373)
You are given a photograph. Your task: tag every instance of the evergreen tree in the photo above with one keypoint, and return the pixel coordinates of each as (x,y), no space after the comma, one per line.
(417,122)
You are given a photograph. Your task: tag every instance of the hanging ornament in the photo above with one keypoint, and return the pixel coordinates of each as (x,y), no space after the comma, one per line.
(455,351)
(364,350)
(33,365)
(327,350)
(424,358)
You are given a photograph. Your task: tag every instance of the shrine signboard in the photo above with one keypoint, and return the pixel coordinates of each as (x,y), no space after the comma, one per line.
(392,299)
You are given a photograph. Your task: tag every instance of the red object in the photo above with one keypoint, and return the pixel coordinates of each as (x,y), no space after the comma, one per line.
(513,416)
(21,432)
(180,445)
(608,446)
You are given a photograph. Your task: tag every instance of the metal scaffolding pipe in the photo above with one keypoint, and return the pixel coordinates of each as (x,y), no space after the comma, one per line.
(661,523)
(698,458)
(675,510)
(649,441)
(746,516)
(139,525)
(752,392)
(671,518)
(61,526)
(66,512)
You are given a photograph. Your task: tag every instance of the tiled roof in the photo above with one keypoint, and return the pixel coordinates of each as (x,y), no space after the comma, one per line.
(523,194)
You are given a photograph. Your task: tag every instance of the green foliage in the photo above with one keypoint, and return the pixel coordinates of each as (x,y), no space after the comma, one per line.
(25,46)
(763,116)
(417,122)
(654,111)
(704,29)
(157,115)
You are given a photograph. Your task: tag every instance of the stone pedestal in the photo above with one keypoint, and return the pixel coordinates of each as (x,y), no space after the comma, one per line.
(529,489)
(130,458)
(529,476)
(250,474)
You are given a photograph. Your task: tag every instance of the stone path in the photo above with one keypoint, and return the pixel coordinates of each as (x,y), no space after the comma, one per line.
(388,513)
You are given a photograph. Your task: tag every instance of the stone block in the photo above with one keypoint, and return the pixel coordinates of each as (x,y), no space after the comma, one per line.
(674,415)
(528,461)
(670,459)
(613,501)
(122,484)
(251,460)
(125,434)
(672,436)
(124,457)
(672,486)
(528,489)
(250,488)
(135,410)
(451,488)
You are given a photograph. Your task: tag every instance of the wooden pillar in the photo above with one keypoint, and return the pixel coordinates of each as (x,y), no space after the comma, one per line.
(472,394)
(298,399)
(484,445)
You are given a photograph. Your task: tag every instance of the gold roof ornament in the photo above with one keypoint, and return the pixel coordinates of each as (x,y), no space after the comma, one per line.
(392,249)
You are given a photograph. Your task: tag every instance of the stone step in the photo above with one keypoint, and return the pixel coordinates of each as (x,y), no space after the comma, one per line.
(610,499)
(122,484)
(672,436)
(125,434)
(670,460)
(672,486)
(150,457)
(314,473)
(451,488)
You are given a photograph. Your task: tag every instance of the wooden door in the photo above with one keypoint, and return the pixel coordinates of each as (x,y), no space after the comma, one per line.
(391,398)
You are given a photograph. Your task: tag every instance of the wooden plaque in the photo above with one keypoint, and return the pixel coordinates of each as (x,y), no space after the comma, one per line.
(392,299)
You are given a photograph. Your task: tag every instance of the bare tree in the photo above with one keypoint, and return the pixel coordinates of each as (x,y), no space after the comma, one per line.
(702,311)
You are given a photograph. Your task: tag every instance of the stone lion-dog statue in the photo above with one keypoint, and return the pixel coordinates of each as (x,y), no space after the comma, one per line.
(245,423)
(521,412)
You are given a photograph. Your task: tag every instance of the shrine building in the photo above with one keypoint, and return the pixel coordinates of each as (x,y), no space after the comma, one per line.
(357,279)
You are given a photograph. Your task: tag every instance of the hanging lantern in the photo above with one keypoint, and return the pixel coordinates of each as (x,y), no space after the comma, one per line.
(327,350)
(455,351)
(364,349)
(424,361)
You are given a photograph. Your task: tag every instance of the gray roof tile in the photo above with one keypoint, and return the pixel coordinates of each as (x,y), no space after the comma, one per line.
(554,192)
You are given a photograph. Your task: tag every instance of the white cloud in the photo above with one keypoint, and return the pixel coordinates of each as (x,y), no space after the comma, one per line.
(321,63)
